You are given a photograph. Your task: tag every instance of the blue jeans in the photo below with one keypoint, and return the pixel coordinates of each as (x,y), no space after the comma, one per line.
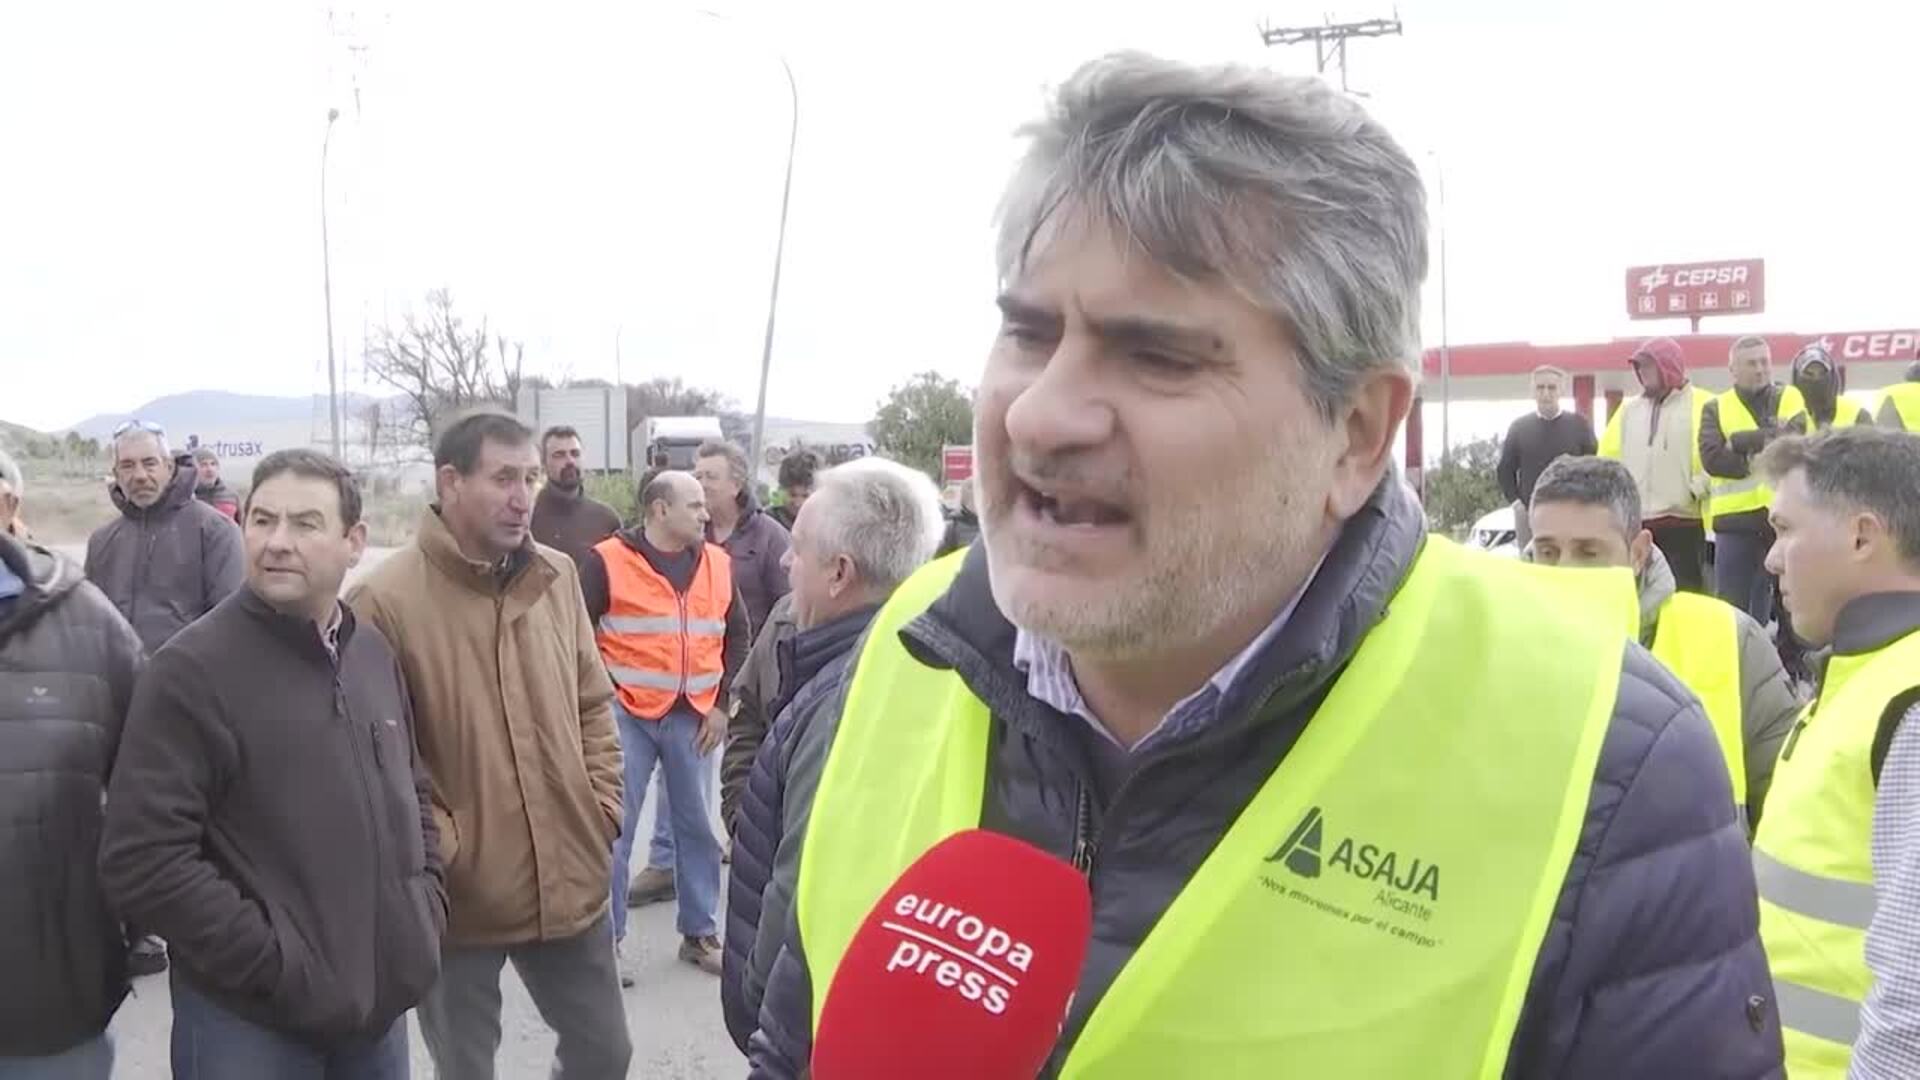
(210,1043)
(91,1060)
(1740,574)
(696,851)
(661,853)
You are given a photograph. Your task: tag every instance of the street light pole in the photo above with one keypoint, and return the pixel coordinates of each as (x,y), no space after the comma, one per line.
(779,254)
(1446,354)
(326,286)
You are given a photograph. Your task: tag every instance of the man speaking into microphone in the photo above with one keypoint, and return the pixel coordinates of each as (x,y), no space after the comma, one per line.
(1350,800)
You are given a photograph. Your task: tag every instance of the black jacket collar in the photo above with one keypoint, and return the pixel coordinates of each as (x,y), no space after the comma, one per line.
(805,654)
(297,631)
(1872,622)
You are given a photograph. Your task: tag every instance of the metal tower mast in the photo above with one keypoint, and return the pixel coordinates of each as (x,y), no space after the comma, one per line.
(1330,41)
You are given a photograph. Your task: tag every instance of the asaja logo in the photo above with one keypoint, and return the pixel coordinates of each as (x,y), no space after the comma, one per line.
(1301,853)
(1301,850)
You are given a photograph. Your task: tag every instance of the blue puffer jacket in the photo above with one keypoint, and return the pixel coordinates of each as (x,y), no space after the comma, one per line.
(811,663)
(1651,968)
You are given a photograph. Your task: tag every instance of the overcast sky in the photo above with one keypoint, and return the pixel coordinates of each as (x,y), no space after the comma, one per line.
(575,172)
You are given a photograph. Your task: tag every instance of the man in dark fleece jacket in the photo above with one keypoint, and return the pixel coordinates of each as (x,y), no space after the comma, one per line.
(269,815)
(564,515)
(67,667)
(1265,742)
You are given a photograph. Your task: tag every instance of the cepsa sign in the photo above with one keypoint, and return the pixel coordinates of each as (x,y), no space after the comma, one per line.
(1681,290)
(956,463)
(1882,345)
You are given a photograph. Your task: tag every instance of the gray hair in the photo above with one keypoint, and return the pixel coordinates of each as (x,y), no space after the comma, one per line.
(1276,184)
(1861,469)
(737,464)
(1559,374)
(1592,481)
(881,514)
(1749,341)
(159,439)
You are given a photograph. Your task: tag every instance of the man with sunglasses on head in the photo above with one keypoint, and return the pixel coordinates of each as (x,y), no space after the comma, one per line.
(168,558)
(164,562)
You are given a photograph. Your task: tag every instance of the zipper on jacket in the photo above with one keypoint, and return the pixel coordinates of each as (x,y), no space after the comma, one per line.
(1086,842)
(686,647)
(367,792)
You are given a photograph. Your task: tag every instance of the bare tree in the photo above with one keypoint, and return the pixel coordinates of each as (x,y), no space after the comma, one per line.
(441,366)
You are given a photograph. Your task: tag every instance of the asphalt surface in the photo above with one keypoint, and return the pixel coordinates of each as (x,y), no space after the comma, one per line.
(673,1016)
(673,1013)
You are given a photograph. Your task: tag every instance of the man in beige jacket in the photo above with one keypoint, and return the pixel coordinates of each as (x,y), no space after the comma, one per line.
(513,714)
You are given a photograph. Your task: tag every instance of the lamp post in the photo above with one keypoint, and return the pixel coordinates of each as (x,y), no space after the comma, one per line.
(326,287)
(779,253)
(1446,354)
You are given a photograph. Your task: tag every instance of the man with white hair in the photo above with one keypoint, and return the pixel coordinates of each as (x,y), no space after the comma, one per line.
(867,527)
(1350,800)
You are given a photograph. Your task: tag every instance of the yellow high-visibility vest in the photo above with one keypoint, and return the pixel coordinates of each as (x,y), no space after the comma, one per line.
(1698,639)
(1610,442)
(1749,492)
(1906,402)
(1812,857)
(1793,405)
(1378,907)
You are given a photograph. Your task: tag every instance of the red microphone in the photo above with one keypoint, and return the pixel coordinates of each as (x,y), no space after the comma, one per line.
(965,967)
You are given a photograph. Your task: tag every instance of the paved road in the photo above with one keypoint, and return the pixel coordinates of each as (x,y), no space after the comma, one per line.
(673,1014)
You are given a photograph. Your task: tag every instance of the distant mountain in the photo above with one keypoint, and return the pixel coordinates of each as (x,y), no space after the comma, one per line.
(16,435)
(196,410)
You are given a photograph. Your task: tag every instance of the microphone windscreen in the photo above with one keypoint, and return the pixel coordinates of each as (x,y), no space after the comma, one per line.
(965,967)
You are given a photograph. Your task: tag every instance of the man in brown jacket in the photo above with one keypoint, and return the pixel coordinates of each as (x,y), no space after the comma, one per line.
(514,717)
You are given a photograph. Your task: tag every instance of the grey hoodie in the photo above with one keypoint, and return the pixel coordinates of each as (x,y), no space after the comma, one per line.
(168,564)
(1768,703)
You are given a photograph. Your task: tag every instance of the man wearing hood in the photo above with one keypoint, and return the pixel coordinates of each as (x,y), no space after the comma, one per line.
(1657,437)
(168,558)
(1586,512)
(1813,403)
(209,488)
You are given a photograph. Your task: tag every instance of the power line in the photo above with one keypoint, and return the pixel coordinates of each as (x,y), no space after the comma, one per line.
(1330,41)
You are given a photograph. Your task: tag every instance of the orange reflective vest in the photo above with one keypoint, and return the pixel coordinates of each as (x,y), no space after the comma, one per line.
(659,643)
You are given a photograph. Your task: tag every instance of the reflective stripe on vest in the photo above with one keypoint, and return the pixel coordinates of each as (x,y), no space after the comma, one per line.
(1812,857)
(1698,639)
(1750,492)
(1398,868)
(658,644)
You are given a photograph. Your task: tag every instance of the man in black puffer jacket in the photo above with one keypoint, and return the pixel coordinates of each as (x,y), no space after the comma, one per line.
(68,662)
(868,525)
